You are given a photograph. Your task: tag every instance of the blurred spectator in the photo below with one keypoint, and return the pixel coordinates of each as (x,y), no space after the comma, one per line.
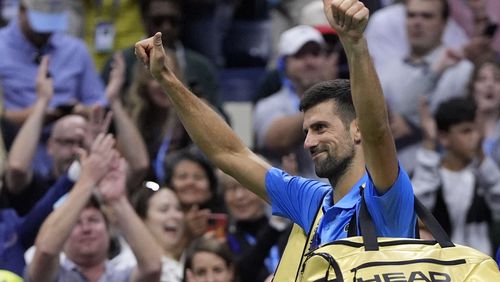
(17,233)
(194,181)
(277,119)
(162,214)
(157,123)
(207,24)
(197,71)
(209,260)
(462,187)
(313,15)
(23,184)
(111,25)
(474,16)
(429,69)
(485,91)
(80,228)
(37,32)
(252,236)
(388,39)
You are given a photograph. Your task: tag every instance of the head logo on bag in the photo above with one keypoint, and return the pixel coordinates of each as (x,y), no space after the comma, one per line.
(413,276)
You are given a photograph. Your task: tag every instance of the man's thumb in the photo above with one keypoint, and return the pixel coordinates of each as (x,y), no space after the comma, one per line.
(157,40)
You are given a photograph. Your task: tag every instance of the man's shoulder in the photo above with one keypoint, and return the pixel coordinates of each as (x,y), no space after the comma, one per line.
(68,42)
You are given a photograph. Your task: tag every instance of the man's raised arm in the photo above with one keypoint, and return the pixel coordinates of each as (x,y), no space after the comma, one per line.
(349,19)
(207,129)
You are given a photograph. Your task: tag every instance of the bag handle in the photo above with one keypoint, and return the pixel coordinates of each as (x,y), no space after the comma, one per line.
(369,233)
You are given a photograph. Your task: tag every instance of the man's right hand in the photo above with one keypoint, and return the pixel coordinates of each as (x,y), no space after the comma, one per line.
(151,53)
(348,17)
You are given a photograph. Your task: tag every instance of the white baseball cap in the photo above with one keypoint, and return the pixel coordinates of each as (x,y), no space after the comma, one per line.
(47,15)
(313,14)
(296,37)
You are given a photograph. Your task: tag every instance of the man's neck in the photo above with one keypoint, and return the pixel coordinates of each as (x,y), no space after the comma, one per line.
(353,174)
(454,163)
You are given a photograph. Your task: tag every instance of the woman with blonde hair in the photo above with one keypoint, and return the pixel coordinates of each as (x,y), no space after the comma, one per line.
(157,122)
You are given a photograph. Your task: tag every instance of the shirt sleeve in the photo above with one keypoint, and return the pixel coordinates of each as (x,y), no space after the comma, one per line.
(30,224)
(393,213)
(294,197)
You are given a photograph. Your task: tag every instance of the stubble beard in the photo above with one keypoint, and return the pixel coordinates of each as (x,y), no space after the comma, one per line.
(334,168)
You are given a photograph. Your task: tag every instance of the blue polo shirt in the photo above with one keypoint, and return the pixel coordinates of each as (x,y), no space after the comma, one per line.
(299,199)
(71,67)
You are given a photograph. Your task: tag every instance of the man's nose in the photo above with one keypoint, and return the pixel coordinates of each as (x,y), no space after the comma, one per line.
(309,142)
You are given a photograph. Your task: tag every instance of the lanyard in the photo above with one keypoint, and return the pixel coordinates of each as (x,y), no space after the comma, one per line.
(158,162)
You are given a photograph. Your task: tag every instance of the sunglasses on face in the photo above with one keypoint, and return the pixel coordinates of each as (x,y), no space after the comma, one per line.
(161,19)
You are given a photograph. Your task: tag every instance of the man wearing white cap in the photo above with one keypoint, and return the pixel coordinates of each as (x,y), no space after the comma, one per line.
(37,32)
(277,119)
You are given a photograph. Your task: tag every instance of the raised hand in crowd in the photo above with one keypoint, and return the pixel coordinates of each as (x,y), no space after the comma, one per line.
(428,125)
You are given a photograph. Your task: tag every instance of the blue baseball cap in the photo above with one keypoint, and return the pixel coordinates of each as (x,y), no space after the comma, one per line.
(47,16)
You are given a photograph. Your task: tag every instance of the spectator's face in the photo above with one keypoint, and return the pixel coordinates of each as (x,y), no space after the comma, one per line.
(306,67)
(165,219)
(37,38)
(424,24)
(208,267)
(478,8)
(156,94)
(486,88)
(67,136)
(164,16)
(461,140)
(331,144)
(89,239)
(242,204)
(191,183)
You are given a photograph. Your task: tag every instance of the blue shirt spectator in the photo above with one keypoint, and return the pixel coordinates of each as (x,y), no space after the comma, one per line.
(17,234)
(71,67)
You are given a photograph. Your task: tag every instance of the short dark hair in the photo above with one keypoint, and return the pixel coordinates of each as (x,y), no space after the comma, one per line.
(145,4)
(338,90)
(445,12)
(455,111)
(186,154)
(140,201)
(212,246)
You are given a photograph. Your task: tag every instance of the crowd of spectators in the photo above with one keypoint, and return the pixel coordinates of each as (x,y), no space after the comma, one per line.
(101,182)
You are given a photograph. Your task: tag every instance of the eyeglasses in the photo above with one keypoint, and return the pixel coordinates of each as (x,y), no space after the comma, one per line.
(68,142)
(312,49)
(159,20)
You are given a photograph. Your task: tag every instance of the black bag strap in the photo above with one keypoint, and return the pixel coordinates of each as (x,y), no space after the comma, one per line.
(366,226)
(369,233)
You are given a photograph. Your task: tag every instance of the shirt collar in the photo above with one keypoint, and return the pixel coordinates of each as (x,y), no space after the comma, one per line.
(427,59)
(350,199)
(70,265)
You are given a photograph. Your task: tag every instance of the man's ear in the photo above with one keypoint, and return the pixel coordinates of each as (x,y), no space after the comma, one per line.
(355,133)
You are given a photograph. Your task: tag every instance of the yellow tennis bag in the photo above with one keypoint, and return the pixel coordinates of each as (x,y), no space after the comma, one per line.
(367,258)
